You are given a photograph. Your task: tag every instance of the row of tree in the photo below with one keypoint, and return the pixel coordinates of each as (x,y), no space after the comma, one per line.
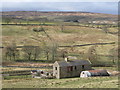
(29,52)
(50,52)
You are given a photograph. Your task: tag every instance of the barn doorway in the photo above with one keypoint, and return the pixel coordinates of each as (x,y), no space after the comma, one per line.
(83,67)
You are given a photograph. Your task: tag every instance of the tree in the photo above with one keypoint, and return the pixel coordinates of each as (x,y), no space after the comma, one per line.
(31,52)
(7,20)
(50,49)
(28,51)
(63,53)
(36,52)
(47,51)
(11,51)
(92,54)
(54,51)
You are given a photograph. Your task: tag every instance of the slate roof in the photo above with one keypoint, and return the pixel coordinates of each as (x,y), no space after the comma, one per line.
(73,63)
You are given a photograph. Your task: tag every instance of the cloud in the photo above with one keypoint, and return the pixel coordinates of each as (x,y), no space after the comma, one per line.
(100,7)
(18,0)
(59,1)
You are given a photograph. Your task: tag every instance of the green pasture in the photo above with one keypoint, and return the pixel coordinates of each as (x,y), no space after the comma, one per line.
(69,35)
(91,82)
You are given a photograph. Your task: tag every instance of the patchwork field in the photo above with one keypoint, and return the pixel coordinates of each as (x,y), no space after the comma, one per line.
(58,35)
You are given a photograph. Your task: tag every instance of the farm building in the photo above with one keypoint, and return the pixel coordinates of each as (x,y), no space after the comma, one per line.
(70,68)
(41,74)
(93,73)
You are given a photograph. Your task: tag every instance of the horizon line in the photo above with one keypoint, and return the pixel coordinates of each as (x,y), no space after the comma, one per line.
(53,11)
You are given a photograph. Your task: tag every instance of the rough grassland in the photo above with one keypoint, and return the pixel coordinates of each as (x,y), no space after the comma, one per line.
(71,35)
(91,82)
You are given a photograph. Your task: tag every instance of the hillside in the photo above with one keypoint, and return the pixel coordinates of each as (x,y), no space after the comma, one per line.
(58,16)
(35,40)
(62,29)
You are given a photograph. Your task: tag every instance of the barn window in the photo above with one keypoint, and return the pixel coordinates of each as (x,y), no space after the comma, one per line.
(83,67)
(75,68)
(55,68)
(70,68)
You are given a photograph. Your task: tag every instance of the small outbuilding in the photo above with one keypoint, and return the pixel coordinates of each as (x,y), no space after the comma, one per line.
(94,73)
(70,68)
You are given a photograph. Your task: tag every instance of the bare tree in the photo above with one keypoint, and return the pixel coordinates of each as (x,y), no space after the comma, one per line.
(47,51)
(50,50)
(8,53)
(64,53)
(36,52)
(11,51)
(31,52)
(54,51)
(92,54)
(28,51)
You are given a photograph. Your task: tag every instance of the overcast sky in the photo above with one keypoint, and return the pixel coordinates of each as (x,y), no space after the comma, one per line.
(59,0)
(110,7)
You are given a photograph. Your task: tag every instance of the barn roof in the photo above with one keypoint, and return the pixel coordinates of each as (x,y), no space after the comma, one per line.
(99,72)
(73,62)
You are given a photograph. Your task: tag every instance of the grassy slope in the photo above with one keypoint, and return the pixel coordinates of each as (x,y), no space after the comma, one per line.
(75,34)
(70,36)
(92,82)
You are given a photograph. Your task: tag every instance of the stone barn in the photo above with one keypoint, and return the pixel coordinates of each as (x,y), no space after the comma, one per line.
(70,68)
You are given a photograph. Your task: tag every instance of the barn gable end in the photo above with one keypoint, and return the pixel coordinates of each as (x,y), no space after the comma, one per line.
(70,68)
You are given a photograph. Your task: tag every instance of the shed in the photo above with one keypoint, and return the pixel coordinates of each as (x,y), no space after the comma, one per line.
(70,68)
(93,73)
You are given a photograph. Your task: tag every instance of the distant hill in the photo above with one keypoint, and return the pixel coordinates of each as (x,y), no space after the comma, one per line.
(59,16)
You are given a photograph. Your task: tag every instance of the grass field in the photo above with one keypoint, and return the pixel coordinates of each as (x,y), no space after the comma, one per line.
(26,81)
(4,69)
(91,82)
(61,33)
(70,35)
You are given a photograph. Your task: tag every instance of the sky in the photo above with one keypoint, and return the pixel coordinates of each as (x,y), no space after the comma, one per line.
(96,6)
(59,0)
